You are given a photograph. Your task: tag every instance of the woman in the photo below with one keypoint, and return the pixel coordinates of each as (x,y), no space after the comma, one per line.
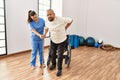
(37,35)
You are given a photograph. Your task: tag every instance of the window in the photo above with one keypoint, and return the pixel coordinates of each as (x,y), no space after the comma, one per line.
(2,29)
(57,7)
(43,6)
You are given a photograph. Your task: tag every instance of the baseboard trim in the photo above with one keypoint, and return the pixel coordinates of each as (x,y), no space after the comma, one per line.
(21,52)
(13,54)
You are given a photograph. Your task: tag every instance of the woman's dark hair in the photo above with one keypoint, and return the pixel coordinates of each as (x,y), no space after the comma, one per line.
(30,13)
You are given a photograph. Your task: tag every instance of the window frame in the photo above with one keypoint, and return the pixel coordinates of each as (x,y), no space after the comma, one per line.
(4,24)
(44,14)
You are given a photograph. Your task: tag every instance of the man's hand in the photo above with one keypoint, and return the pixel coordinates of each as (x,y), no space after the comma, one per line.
(68,25)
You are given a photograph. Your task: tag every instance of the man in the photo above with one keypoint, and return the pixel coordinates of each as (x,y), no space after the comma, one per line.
(57,27)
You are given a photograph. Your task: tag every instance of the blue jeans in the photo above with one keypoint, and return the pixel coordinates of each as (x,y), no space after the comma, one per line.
(37,47)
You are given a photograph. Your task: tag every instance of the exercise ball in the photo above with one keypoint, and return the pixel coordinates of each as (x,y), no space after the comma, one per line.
(90,41)
(81,40)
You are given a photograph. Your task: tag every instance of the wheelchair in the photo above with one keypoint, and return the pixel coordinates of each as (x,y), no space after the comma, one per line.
(66,54)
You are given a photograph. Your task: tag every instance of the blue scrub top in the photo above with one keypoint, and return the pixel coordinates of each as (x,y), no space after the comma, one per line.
(39,27)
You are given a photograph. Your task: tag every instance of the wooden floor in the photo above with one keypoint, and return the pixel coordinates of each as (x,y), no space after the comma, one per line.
(88,63)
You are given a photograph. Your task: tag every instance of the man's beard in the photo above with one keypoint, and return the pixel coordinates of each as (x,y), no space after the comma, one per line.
(50,19)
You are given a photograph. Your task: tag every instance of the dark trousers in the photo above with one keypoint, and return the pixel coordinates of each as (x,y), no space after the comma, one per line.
(57,49)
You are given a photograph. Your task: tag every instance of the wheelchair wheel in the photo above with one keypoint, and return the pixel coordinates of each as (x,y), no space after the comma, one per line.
(69,56)
(48,60)
(48,63)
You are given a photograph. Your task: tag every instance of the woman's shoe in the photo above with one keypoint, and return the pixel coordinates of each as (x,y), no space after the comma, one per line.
(33,67)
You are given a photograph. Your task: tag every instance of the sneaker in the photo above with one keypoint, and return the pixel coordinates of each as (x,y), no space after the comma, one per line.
(42,65)
(33,67)
(52,67)
(59,73)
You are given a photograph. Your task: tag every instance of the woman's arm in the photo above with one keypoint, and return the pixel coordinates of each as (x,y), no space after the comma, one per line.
(38,34)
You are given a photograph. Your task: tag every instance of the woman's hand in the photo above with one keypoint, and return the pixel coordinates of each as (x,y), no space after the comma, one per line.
(42,36)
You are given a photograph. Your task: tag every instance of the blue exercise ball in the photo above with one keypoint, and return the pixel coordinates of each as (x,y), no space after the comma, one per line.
(90,41)
(81,40)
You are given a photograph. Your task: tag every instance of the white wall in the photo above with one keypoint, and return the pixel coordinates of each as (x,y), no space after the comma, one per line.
(103,20)
(97,18)
(76,9)
(18,33)
(57,7)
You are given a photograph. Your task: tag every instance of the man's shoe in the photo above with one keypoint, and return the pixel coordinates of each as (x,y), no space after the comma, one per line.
(52,67)
(59,73)
(42,66)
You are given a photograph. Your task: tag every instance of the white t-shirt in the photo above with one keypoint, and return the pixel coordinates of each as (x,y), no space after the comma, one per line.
(57,28)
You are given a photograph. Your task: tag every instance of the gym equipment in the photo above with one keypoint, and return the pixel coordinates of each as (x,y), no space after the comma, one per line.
(71,38)
(107,47)
(90,41)
(81,41)
(74,41)
(100,41)
(96,45)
